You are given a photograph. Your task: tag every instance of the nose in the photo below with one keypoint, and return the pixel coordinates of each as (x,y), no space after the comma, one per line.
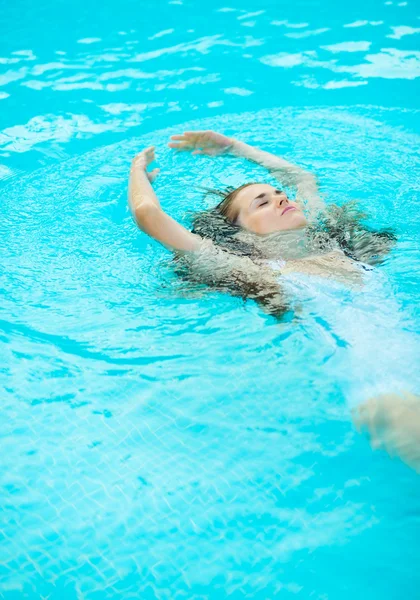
(281,199)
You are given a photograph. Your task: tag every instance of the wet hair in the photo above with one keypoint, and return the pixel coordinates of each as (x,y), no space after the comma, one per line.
(220,223)
(343,226)
(346,226)
(336,226)
(225,207)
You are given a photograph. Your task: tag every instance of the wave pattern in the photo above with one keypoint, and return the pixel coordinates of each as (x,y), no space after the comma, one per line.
(161,441)
(82,85)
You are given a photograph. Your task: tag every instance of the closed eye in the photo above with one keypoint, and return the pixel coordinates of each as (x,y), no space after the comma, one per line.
(278,192)
(262,203)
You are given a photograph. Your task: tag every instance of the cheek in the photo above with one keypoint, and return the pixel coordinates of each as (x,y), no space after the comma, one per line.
(260,222)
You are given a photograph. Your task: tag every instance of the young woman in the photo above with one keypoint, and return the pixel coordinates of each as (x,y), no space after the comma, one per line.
(260,244)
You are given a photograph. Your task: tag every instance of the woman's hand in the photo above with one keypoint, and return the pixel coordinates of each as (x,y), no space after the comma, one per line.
(142,160)
(202,142)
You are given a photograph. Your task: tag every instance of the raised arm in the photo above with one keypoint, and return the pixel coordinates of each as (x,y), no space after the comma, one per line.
(146,209)
(214,144)
(285,172)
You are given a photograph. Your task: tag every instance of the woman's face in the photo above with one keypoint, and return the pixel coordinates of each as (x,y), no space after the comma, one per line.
(265,209)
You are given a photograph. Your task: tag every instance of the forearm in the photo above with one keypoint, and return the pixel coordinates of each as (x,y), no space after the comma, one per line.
(290,172)
(287,173)
(140,192)
(147,212)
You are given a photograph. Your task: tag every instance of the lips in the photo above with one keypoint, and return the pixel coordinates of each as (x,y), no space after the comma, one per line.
(288,208)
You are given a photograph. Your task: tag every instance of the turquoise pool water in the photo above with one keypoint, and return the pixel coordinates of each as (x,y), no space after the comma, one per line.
(160,442)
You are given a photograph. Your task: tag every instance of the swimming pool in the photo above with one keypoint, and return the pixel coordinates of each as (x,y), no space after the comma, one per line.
(164,442)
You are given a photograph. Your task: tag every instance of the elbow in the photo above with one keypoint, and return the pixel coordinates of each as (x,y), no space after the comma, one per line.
(309,178)
(307,184)
(145,214)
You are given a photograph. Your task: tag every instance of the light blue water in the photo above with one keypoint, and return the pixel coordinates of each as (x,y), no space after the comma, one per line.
(162,443)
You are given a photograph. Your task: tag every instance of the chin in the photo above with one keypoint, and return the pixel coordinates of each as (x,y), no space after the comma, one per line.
(297,220)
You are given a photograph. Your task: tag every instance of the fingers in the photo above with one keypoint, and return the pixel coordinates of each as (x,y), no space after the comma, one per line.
(186,148)
(149,154)
(194,133)
(186,141)
(181,146)
(153,174)
(144,158)
(189,138)
(176,145)
(186,134)
(179,137)
(147,151)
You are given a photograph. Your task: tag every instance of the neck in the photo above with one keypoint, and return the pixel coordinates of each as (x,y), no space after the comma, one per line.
(289,244)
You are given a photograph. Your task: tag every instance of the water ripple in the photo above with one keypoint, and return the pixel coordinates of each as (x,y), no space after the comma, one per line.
(158,436)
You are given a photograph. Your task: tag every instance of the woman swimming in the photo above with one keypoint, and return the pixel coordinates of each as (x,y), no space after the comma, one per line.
(260,244)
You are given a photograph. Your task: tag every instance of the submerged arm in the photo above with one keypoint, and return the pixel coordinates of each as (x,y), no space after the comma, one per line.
(236,275)
(266,293)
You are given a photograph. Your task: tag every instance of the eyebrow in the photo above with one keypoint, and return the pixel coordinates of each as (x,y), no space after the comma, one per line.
(262,196)
(257,198)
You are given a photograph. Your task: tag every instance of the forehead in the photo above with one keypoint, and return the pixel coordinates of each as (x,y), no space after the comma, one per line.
(245,196)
